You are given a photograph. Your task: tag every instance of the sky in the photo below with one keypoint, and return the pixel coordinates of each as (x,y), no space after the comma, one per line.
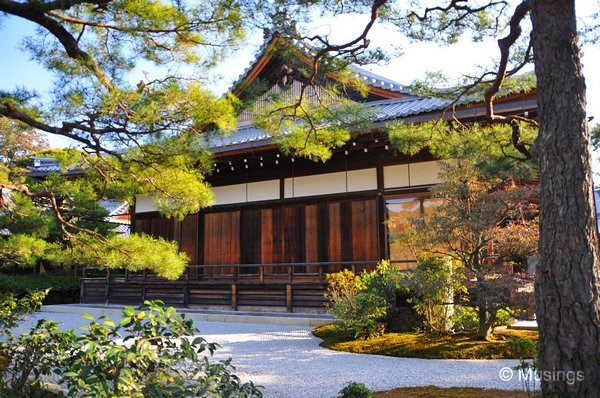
(16,69)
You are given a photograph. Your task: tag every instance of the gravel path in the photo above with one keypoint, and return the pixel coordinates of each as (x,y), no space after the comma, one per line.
(288,361)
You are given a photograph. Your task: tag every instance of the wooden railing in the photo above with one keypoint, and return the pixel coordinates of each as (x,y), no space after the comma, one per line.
(291,286)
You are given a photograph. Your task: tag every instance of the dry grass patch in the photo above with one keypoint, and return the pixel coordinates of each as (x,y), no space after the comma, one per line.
(421,345)
(455,392)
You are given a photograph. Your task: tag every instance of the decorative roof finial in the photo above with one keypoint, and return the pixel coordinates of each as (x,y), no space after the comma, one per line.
(281,23)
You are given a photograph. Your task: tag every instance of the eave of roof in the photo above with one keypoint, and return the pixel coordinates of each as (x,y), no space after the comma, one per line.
(409,109)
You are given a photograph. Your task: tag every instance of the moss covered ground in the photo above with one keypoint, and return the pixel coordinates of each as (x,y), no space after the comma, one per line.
(455,392)
(421,345)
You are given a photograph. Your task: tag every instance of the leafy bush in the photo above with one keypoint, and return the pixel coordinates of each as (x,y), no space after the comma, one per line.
(523,348)
(355,390)
(32,355)
(433,286)
(151,353)
(12,312)
(13,309)
(504,317)
(359,309)
(388,282)
(465,318)
(20,284)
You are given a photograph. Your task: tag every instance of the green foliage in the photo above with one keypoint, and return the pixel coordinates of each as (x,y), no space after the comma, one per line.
(360,309)
(523,348)
(484,225)
(504,317)
(20,284)
(526,351)
(433,284)
(488,147)
(32,355)
(595,132)
(386,281)
(464,318)
(136,252)
(67,157)
(27,218)
(311,130)
(355,390)
(152,352)
(160,355)
(22,251)
(13,309)
(389,283)
(436,84)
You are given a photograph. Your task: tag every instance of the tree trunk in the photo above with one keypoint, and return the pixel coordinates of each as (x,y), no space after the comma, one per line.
(567,285)
(483,331)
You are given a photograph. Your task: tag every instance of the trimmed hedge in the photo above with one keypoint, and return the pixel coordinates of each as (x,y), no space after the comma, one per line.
(65,285)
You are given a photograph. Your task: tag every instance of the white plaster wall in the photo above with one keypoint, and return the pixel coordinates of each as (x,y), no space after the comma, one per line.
(425,173)
(330,183)
(395,176)
(362,180)
(144,203)
(230,194)
(321,184)
(263,190)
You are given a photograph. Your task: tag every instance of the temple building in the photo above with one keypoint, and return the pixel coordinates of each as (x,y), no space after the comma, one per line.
(281,223)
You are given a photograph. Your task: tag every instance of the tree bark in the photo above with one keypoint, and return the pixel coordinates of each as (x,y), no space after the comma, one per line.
(567,285)
(483,331)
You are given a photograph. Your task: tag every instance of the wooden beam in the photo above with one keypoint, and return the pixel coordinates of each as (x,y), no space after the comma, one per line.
(289,298)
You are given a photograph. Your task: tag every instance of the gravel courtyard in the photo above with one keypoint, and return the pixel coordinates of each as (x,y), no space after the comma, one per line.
(288,361)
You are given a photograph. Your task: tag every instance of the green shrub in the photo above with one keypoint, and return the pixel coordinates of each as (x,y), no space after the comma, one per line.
(388,282)
(359,309)
(20,284)
(465,319)
(13,309)
(355,390)
(504,317)
(154,352)
(522,348)
(433,285)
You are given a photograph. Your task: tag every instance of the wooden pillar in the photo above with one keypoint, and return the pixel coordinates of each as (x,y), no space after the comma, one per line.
(107,288)
(234,305)
(381,215)
(289,298)
(321,276)
(185,295)
(82,291)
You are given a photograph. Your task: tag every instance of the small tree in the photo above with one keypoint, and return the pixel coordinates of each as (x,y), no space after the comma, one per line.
(485,225)
(433,285)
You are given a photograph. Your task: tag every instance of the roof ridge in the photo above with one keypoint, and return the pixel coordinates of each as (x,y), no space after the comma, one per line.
(376,79)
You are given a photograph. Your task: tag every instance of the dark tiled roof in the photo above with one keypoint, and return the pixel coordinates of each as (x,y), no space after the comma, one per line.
(42,167)
(376,80)
(403,107)
(250,136)
(370,78)
(45,165)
